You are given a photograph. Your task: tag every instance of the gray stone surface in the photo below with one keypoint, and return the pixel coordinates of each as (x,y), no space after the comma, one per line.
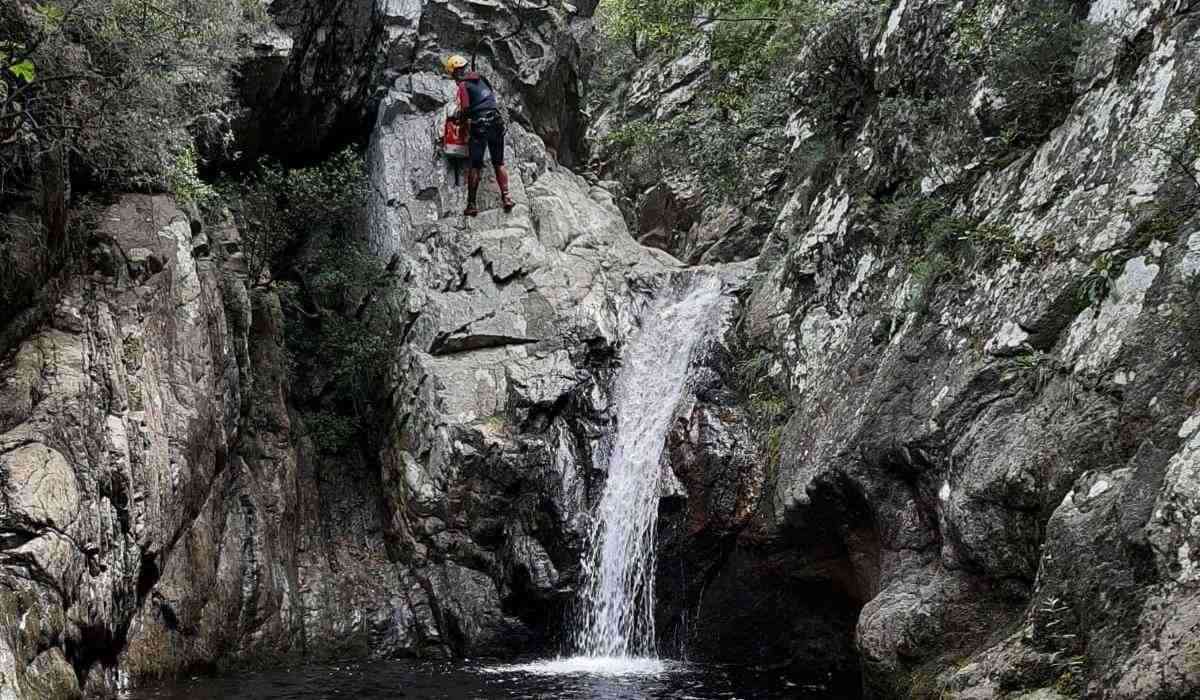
(164,508)
(669,210)
(514,322)
(993,494)
(997,486)
(1010,457)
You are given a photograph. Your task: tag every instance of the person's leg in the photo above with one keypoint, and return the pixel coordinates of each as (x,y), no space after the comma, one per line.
(476,144)
(496,150)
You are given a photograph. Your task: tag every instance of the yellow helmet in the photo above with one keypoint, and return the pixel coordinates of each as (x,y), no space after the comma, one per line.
(453,63)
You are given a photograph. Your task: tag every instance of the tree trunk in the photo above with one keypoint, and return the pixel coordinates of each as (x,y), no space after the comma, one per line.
(55,193)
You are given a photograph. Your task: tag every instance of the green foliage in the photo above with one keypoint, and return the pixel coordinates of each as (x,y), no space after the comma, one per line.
(767,406)
(183,179)
(772,441)
(826,44)
(634,135)
(656,21)
(113,83)
(925,684)
(1028,53)
(1068,684)
(496,424)
(908,219)
(734,135)
(23,70)
(837,83)
(331,432)
(1099,280)
(998,242)
(945,244)
(924,276)
(1032,370)
(277,208)
(301,235)
(640,144)
(754,369)
(52,16)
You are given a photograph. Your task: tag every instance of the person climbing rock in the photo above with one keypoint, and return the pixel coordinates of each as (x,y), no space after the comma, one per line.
(477,106)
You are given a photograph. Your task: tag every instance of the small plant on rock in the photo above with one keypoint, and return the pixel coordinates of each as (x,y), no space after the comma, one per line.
(1032,369)
(1098,282)
(767,407)
(945,245)
(183,179)
(923,279)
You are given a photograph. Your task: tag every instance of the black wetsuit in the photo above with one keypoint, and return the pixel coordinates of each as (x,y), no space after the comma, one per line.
(477,100)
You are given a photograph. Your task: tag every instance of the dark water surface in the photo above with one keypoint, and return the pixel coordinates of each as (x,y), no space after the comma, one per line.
(466,680)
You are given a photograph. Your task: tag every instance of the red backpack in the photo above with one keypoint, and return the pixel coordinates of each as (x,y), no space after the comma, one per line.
(454,140)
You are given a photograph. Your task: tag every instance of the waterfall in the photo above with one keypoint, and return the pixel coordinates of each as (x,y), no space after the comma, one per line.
(617,617)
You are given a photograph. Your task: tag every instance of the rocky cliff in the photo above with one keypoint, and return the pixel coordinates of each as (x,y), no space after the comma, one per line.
(946,446)
(983,483)
(165,509)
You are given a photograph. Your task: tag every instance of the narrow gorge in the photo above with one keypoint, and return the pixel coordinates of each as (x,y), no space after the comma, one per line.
(841,348)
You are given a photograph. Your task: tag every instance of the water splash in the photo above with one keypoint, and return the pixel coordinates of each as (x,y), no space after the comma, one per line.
(618,593)
(592,666)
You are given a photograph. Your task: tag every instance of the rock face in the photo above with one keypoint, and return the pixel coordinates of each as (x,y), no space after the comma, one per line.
(990,475)
(160,514)
(164,508)
(513,322)
(976,483)
(666,206)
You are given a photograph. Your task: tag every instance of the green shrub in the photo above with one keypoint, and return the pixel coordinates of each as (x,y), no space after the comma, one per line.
(114,83)
(924,275)
(767,407)
(183,179)
(277,209)
(302,231)
(1028,53)
(734,134)
(945,245)
(330,432)
(837,85)
(1033,370)
(98,96)
(644,147)
(1098,282)
(753,370)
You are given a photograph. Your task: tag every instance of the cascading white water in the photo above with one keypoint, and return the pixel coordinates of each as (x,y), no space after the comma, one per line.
(617,620)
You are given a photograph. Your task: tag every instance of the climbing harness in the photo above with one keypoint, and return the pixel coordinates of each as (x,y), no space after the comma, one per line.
(456,134)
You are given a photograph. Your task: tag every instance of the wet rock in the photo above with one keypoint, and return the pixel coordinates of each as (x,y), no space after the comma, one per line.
(986,475)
